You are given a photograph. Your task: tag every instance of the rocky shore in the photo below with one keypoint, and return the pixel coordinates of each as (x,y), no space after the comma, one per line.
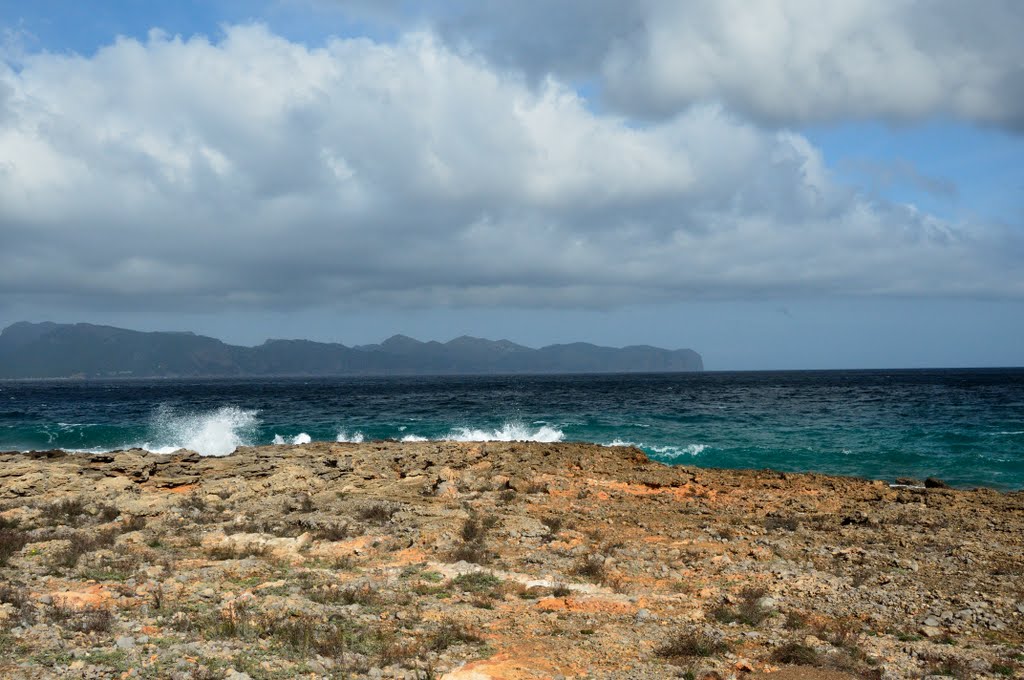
(501,560)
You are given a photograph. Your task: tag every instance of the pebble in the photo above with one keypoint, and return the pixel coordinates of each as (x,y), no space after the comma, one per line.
(643,616)
(125,642)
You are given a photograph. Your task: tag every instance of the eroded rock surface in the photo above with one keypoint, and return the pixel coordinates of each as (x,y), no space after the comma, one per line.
(499,560)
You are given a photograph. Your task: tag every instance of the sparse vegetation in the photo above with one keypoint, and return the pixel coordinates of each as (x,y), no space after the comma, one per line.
(197,590)
(748,611)
(591,566)
(83,542)
(90,619)
(773,523)
(70,511)
(795,653)
(690,645)
(553,523)
(536,487)
(473,533)
(237,551)
(335,531)
(449,633)
(377,513)
(477,582)
(11,543)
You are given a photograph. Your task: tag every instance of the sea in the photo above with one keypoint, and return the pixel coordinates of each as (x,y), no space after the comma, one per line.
(964,426)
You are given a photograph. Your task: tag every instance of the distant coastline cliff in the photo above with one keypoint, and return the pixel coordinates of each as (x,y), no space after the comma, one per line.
(51,350)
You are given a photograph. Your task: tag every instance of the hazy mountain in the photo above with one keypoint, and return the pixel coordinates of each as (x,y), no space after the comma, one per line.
(49,350)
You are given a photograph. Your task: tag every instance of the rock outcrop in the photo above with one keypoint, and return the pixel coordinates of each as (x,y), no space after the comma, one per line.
(498,560)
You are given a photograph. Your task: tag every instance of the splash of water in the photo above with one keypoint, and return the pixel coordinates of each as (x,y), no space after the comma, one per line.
(354,438)
(210,433)
(508,432)
(300,438)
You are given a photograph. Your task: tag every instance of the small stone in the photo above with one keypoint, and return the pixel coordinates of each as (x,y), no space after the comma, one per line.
(643,616)
(46,599)
(932,622)
(930,631)
(232,674)
(125,642)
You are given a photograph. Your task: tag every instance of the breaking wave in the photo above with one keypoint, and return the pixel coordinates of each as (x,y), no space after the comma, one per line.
(665,452)
(414,438)
(354,438)
(300,438)
(508,432)
(211,433)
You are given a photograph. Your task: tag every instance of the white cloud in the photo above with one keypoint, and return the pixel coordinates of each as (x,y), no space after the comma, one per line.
(782,62)
(255,171)
(793,61)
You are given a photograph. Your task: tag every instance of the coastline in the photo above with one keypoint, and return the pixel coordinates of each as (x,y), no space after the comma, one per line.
(497,560)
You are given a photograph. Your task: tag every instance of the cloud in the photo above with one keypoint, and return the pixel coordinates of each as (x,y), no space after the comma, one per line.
(798,61)
(780,62)
(256,172)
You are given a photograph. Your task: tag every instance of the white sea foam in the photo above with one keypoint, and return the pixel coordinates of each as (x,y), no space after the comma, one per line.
(354,438)
(680,451)
(210,433)
(664,451)
(414,437)
(300,438)
(508,432)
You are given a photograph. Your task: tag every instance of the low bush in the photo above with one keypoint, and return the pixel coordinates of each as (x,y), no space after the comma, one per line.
(781,523)
(69,511)
(795,653)
(11,543)
(691,644)
(748,611)
(477,582)
(591,566)
(378,513)
(450,633)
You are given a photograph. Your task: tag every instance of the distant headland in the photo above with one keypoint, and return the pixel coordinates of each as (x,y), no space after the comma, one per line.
(81,350)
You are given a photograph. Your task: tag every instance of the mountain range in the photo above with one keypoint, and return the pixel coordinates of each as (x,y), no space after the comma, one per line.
(81,350)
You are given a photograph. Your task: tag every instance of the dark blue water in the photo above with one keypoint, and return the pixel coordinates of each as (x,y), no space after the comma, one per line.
(965,426)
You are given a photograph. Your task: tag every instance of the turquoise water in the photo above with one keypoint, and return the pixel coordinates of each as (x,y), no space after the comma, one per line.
(965,426)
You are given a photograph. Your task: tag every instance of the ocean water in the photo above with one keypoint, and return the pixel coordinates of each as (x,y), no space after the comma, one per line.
(964,426)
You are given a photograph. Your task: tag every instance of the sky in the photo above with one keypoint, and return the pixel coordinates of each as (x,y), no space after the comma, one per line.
(785,184)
